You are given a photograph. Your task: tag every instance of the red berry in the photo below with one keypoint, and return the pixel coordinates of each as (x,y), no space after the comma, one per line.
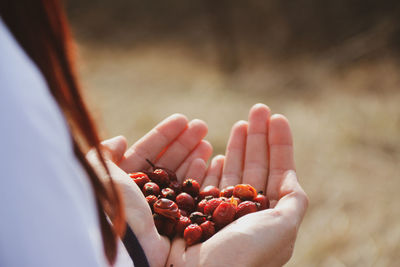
(171,174)
(182,224)
(176,186)
(151,188)
(192,187)
(227,192)
(160,177)
(167,208)
(168,193)
(263,201)
(184,213)
(244,192)
(158,222)
(209,191)
(151,199)
(208,228)
(201,205)
(192,234)
(169,228)
(245,207)
(185,202)
(140,178)
(224,214)
(211,205)
(197,217)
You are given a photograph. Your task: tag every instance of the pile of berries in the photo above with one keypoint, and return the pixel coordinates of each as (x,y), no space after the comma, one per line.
(182,209)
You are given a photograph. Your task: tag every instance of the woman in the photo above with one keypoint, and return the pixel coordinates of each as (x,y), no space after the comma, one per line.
(60,210)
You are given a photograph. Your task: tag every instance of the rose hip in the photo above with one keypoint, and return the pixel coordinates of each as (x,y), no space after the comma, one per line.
(140,178)
(263,201)
(158,222)
(160,177)
(167,208)
(168,193)
(151,188)
(211,205)
(244,192)
(209,191)
(227,192)
(182,224)
(151,199)
(197,217)
(245,207)
(201,205)
(192,234)
(185,202)
(169,228)
(224,214)
(176,186)
(192,187)
(208,228)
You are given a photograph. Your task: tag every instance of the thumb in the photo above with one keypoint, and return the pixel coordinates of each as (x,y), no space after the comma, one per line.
(293,201)
(114,148)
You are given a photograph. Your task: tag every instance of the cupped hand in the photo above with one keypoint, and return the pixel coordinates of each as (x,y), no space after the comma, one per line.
(176,144)
(260,153)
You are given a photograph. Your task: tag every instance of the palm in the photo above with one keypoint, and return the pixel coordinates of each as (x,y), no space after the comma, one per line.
(247,161)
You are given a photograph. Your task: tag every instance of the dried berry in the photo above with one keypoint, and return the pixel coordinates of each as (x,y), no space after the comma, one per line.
(151,188)
(201,205)
(208,228)
(182,224)
(185,202)
(245,207)
(140,178)
(192,234)
(168,193)
(224,214)
(151,199)
(192,187)
(227,192)
(244,192)
(167,208)
(209,191)
(211,205)
(176,186)
(262,200)
(197,217)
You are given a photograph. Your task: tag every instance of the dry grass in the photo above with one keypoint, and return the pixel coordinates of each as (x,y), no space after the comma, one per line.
(346,127)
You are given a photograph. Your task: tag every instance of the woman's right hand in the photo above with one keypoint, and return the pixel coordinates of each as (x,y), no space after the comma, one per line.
(259,152)
(176,144)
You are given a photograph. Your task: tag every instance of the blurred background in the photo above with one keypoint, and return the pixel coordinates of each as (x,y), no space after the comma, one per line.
(332,67)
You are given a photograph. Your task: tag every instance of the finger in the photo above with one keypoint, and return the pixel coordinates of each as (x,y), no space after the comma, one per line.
(214,172)
(281,154)
(114,148)
(183,145)
(256,159)
(153,143)
(233,167)
(197,170)
(203,151)
(293,201)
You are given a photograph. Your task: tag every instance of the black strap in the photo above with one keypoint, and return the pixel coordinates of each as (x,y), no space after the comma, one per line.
(134,248)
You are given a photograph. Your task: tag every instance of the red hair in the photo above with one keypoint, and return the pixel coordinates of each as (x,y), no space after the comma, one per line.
(41,28)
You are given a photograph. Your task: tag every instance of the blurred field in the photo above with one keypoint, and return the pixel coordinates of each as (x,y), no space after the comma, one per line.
(345,118)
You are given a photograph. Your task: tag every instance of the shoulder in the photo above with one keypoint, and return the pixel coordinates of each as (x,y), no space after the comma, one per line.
(48,209)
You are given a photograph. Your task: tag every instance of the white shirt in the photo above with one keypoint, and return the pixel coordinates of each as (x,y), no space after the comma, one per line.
(48,214)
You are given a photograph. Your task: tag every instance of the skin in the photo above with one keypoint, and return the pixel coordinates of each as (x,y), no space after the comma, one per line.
(259,152)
